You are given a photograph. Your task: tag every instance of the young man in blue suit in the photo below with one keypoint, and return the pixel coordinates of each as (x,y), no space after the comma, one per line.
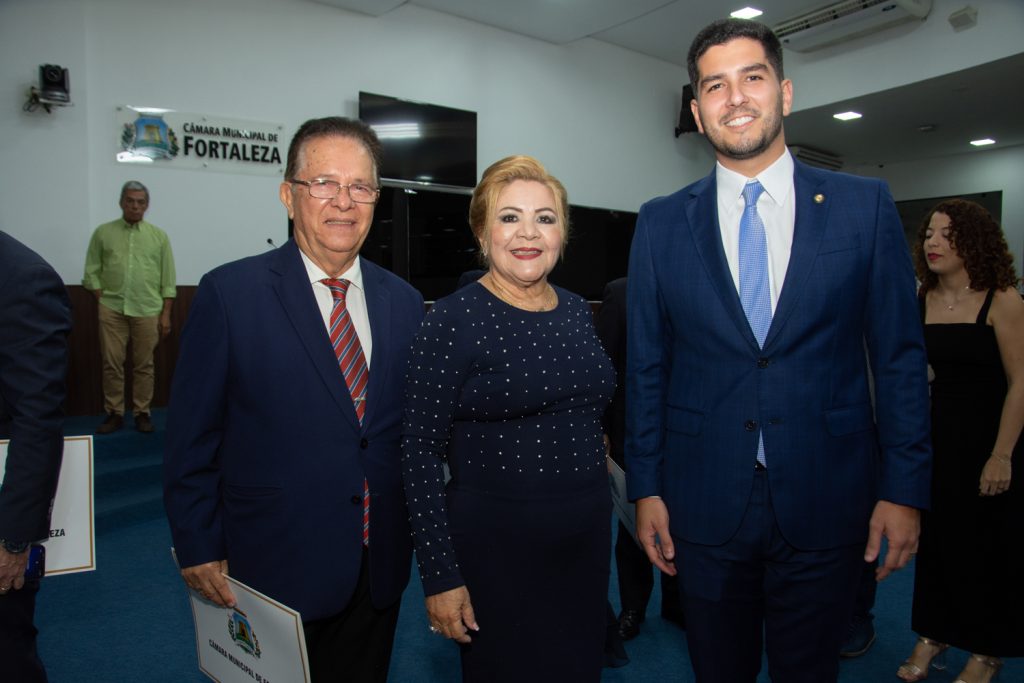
(271,456)
(35,320)
(760,471)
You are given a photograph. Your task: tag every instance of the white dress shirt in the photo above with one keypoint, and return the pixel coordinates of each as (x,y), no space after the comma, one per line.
(355,301)
(777,208)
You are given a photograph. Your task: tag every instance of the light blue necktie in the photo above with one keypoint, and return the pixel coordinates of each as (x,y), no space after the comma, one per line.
(754,293)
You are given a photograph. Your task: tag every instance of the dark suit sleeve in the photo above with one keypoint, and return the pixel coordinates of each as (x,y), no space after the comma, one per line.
(895,343)
(646,367)
(192,477)
(35,320)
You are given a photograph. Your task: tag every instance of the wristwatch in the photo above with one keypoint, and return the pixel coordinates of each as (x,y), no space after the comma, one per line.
(14,547)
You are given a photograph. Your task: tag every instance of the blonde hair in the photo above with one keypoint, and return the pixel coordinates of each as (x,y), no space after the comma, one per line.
(496,178)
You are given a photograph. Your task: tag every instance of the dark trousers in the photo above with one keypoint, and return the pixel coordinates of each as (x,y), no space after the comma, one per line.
(636,578)
(757,583)
(353,646)
(866,590)
(19,660)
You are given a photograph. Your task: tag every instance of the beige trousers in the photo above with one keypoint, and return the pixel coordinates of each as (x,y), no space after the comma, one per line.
(115,331)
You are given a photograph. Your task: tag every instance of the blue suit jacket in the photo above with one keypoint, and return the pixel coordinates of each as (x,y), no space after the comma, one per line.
(699,388)
(265,456)
(35,319)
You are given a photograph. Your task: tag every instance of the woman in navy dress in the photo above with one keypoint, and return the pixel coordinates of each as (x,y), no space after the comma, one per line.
(507,385)
(967,583)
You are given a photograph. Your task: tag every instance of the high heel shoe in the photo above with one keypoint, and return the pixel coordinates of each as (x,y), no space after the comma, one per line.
(911,672)
(993,664)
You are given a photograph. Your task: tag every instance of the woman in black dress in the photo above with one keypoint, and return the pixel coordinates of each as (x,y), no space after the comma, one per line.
(968,579)
(507,384)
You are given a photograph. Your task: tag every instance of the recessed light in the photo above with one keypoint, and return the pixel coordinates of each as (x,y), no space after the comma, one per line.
(983,142)
(847,115)
(746,13)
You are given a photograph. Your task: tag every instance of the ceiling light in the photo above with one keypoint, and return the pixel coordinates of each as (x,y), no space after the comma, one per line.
(983,142)
(746,13)
(847,116)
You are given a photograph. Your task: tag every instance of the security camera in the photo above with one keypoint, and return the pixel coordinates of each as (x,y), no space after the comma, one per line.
(53,84)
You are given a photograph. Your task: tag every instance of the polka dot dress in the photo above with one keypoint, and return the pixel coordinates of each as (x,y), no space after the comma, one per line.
(512,401)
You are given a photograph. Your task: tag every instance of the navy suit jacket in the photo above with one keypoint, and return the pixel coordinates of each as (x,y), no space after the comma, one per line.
(265,455)
(35,320)
(699,388)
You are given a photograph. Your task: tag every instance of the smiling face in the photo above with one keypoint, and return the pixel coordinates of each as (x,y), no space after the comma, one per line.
(524,238)
(330,231)
(939,251)
(740,104)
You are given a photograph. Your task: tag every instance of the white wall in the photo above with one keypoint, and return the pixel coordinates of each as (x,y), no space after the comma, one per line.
(598,116)
(980,171)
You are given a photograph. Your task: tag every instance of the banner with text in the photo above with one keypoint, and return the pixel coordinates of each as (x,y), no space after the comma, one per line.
(176,139)
(72,543)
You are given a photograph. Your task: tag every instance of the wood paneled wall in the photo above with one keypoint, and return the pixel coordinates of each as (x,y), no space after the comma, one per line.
(85,387)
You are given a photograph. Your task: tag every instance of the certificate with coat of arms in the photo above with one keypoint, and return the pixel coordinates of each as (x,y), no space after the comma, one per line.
(258,640)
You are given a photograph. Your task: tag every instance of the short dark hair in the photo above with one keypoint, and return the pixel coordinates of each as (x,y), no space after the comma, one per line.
(334,126)
(724,30)
(977,238)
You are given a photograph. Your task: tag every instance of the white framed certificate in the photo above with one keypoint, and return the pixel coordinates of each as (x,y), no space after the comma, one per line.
(259,640)
(71,546)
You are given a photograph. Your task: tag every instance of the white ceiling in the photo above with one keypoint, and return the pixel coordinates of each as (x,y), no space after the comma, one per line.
(959,105)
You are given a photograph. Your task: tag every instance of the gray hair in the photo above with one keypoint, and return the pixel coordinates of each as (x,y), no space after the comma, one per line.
(132,186)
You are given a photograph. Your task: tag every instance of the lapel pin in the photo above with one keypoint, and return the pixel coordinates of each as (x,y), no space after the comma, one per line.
(819,198)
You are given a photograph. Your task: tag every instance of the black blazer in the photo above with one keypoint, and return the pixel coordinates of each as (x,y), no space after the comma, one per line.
(35,319)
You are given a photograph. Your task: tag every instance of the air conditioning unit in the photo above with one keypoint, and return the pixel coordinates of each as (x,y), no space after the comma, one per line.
(846,20)
(816,157)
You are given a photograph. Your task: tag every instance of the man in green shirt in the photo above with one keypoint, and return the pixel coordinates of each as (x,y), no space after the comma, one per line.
(130,269)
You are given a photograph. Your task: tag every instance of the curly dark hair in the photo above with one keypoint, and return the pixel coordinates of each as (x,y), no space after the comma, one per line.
(977,239)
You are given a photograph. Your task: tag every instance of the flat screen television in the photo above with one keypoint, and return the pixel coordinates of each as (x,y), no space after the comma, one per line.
(423,143)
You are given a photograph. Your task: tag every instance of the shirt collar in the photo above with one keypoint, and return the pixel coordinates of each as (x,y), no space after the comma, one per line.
(354,274)
(777,179)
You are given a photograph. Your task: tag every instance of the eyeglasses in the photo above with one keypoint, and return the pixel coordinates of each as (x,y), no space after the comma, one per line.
(329,189)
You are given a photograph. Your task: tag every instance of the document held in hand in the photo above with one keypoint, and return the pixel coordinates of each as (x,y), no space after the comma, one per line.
(623,508)
(257,641)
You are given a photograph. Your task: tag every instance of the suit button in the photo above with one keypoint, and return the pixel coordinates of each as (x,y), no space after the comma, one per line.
(364,443)
(750,425)
(762,363)
(356,500)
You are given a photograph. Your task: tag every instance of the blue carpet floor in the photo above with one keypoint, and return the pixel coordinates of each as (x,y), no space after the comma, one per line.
(129,620)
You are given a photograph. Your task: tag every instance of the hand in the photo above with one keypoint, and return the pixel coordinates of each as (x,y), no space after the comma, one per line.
(607,446)
(652,531)
(12,570)
(901,525)
(208,580)
(451,614)
(995,476)
(98,293)
(165,324)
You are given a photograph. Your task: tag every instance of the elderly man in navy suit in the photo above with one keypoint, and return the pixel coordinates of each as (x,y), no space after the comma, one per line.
(760,470)
(35,319)
(282,463)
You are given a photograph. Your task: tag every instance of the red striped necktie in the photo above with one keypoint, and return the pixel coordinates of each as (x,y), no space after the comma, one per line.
(352,362)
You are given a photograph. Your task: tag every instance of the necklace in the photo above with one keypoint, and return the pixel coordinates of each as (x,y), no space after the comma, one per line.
(957,299)
(548,300)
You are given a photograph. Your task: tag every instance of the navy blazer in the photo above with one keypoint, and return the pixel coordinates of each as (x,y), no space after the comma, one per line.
(35,320)
(699,388)
(265,455)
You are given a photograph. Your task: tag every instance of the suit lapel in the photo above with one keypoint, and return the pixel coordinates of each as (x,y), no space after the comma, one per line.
(296,296)
(707,237)
(812,205)
(378,308)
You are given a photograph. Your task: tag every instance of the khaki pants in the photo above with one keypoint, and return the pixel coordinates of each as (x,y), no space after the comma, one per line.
(115,331)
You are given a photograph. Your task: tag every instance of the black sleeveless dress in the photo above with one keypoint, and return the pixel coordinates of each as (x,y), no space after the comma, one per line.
(969,573)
